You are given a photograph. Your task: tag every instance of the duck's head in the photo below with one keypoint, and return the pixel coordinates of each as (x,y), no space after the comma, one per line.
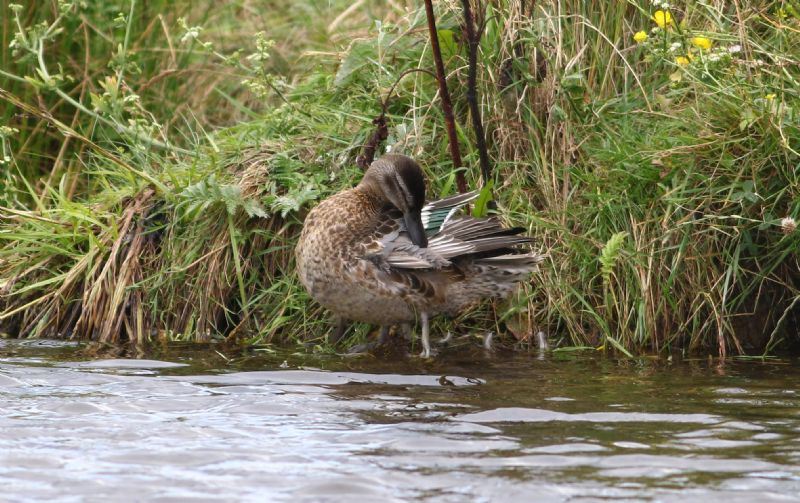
(397,180)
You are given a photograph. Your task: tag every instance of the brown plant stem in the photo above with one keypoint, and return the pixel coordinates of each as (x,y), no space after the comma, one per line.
(473,38)
(381,131)
(447,107)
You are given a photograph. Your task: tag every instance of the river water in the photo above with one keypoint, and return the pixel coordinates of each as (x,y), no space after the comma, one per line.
(192,424)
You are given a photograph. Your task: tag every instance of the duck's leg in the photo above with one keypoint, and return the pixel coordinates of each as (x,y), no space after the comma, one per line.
(487,341)
(383,337)
(339,330)
(426,336)
(406,332)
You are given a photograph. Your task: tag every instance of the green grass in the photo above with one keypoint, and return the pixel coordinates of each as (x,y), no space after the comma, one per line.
(659,190)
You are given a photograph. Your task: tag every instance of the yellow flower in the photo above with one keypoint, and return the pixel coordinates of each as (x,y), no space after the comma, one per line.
(770,97)
(682,60)
(640,37)
(702,42)
(662,18)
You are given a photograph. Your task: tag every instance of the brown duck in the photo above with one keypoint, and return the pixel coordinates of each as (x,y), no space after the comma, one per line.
(378,254)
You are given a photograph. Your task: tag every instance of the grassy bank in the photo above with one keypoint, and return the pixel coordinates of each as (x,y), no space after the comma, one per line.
(156,188)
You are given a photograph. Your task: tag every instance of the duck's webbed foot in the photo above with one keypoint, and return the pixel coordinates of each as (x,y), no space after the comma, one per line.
(368,347)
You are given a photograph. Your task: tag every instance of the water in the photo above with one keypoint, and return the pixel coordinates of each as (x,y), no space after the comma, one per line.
(194,425)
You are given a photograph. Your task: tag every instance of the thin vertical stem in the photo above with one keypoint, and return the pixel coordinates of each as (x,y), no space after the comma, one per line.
(473,38)
(447,107)
(237,263)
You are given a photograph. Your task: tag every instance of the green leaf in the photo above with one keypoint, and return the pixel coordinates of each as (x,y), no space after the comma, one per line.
(205,193)
(574,83)
(253,209)
(610,253)
(448,184)
(482,203)
(356,59)
(294,200)
(231,195)
(447,43)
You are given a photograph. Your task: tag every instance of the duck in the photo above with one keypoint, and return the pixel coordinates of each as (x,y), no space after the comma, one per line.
(378,253)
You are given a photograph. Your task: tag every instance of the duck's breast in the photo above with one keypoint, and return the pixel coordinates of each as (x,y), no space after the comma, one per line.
(331,265)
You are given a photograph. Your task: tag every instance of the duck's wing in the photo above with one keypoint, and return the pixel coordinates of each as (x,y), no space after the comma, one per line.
(400,252)
(392,248)
(450,237)
(437,213)
(476,236)
(460,237)
(463,247)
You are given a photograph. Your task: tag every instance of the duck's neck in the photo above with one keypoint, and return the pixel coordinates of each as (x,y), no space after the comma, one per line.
(372,199)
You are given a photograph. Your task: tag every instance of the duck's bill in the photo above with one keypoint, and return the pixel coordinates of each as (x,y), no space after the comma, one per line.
(416,231)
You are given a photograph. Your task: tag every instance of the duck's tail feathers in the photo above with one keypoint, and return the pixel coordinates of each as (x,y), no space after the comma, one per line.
(499,276)
(513,262)
(491,277)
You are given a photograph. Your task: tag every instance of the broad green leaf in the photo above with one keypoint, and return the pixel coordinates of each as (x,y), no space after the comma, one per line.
(482,203)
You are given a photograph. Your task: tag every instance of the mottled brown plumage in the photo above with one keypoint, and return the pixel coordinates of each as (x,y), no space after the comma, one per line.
(377,254)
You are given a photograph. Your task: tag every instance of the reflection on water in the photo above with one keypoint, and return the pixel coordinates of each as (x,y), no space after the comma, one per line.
(192,426)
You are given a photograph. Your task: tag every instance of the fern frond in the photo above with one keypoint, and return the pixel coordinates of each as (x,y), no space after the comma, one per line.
(610,253)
